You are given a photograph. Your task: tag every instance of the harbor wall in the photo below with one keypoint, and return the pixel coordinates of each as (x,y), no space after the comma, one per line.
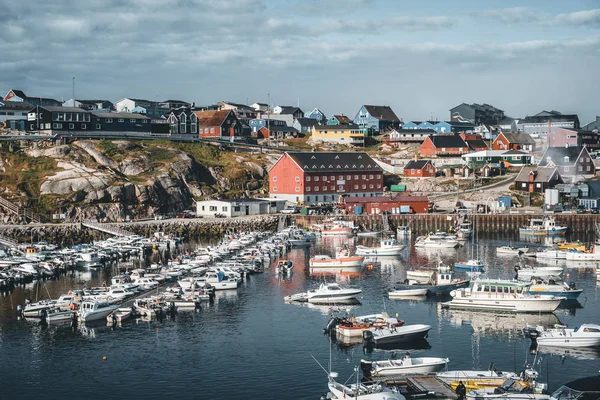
(506,224)
(188,229)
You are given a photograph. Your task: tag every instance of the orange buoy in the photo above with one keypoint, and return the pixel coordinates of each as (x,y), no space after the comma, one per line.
(104,358)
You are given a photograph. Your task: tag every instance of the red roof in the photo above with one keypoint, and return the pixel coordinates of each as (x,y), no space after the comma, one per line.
(211,117)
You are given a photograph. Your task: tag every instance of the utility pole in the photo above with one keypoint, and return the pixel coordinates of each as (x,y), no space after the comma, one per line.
(269,113)
(73,91)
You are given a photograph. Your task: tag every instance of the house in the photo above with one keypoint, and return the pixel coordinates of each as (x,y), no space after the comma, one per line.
(542,123)
(260,107)
(276,132)
(492,169)
(182,121)
(218,123)
(475,142)
(19,96)
(119,122)
(514,141)
(305,125)
(537,180)
(398,204)
(489,132)
(419,169)
(592,126)
(339,119)
(398,136)
(152,109)
(257,123)
(475,114)
(376,119)
(314,177)
(317,115)
(410,125)
(171,104)
(287,119)
(90,105)
(295,112)
(443,145)
(350,135)
(574,163)
(14,110)
(570,137)
(242,112)
(232,207)
(506,157)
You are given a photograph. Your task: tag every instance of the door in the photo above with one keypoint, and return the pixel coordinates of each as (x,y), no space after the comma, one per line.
(531,188)
(247,210)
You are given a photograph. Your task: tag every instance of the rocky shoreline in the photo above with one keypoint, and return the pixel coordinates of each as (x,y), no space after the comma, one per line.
(188,229)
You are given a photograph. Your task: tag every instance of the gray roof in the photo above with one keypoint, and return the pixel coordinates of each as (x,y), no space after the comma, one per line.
(335,161)
(245,200)
(285,110)
(63,109)
(448,141)
(334,127)
(307,121)
(15,105)
(520,138)
(416,164)
(281,128)
(557,156)
(384,113)
(542,174)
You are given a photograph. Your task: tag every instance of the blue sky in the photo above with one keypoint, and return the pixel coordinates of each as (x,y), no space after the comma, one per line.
(420,57)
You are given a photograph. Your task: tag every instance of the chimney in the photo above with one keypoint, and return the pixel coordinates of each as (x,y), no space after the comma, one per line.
(532,176)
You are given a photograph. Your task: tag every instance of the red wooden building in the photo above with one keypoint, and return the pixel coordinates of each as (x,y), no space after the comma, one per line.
(419,169)
(400,204)
(277,132)
(324,177)
(218,123)
(444,145)
(514,141)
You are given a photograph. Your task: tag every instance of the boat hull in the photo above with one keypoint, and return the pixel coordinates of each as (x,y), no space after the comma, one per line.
(421,365)
(402,334)
(400,293)
(517,305)
(469,267)
(543,232)
(375,251)
(337,262)
(568,341)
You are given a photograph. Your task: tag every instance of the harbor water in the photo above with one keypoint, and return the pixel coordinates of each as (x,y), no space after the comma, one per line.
(249,344)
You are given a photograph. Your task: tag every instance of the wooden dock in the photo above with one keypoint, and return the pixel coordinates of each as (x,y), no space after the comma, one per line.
(430,384)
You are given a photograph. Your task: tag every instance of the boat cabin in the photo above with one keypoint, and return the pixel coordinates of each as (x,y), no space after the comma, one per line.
(499,288)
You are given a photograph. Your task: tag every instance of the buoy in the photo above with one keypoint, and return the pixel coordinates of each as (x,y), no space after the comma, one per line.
(568,275)
(104,358)
(396,315)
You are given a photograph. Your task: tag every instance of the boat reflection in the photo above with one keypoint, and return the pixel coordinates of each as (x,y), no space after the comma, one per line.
(542,240)
(349,271)
(584,265)
(491,324)
(580,354)
(421,344)
(332,309)
(569,306)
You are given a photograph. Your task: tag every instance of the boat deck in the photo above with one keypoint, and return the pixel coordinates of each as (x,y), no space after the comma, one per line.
(422,383)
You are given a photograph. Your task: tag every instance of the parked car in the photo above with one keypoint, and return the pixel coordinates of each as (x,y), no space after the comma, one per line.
(581,210)
(289,210)
(220,215)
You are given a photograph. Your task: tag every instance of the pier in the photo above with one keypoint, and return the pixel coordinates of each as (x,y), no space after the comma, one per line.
(486,223)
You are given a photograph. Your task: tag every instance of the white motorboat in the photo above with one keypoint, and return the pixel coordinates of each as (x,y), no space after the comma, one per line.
(147,283)
(387,247)
(437,242)
(523,388)
(594,255)
(568,291)
(326,293)
(407,292)
(54,315)
(512,251)
(586,335)
(501,295)
(353,327)
(406,365)
(396,334)
(220,281)
(543,227)
(527,272)
(474,379)
(420,275)
(551,254)
(342,259)
(119,316)
(361,391)
(95,310)
(403,231)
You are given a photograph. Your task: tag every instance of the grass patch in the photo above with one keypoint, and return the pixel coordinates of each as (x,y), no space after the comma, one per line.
(24,173)
(160,154)
(111,150)
(298,143)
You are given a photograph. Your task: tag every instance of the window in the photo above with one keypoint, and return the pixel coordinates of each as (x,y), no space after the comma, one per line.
(202,208)
(297,179)
(370,186)
(109,120)
(205,130)
(539,185)
(332,178)
(132,121)
(378,176)
(580,168)
(566,169)
(31,126)
(212,130)
(379,186)
(316,179)
(356,187)
(121,120)
(370,176)
(308,188)
(194,124)
(274,179)
(307,178)
(297,189)
(364,186)
(355,176)
(212,208)
(274,188)
(224,208)
(308,198)
(589,168)
(364,177)
(412,171)
(56,126)
(348,177)
(523,185)
(71,126)
(98,127)
(316,188)
(332,187)
(236,208)
(83,126)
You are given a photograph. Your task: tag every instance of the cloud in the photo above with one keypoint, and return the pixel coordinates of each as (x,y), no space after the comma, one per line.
(580,18)
(510,15)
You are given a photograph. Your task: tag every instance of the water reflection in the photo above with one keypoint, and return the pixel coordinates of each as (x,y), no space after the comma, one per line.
(580,354)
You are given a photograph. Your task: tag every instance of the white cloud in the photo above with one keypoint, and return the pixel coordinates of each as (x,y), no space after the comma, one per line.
(510,15)
(586,18)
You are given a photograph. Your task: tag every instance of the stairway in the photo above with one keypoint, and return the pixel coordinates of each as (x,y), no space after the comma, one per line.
(386,223)
(25,213)
(281,223)
(107,228)
(8,242)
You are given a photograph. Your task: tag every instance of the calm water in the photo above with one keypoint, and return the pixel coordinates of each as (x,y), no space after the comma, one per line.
(249,344)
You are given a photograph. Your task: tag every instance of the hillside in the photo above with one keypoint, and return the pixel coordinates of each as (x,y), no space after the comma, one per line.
(115,179)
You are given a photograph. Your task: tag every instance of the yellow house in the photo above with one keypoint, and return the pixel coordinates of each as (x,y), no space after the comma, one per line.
(351,135)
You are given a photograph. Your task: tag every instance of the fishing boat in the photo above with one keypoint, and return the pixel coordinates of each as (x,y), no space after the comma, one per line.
(512,251)
(528,272)
(119,316)
(582,255)
(471,265)
(342,259)
(361,390)
(335,228)
(396,334)
(566,290)
(543,227)
(586,335)
(551,254)
(387,247)
(502,295)
(95,310)
(353,327)
(405,365)
(441,282)
(420,275)
(437,241)
(326,293)
(525,387)
(465,230)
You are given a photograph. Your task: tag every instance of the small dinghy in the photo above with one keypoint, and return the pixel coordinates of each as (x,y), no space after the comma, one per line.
(407,292)
(406,365)
(396,334)
(511,251)
(118,316)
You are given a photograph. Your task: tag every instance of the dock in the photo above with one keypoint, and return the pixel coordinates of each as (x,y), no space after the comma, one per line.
(419,385)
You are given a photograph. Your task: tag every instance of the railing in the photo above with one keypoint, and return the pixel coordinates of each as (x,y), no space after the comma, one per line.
(24,213)
(111,230)
(8,242)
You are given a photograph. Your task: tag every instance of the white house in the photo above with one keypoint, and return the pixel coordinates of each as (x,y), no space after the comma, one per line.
(232,207)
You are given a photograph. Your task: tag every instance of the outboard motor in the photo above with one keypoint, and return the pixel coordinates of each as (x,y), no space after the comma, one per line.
(365,366)
(19,311)
(367,336)
(572,285)
(531,332)
(330,327)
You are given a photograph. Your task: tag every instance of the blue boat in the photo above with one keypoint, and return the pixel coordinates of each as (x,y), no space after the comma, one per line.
(568,291)
(543,227)
(442,284)
(471,265)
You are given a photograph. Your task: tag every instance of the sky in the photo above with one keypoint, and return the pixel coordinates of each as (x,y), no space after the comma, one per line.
(419,57)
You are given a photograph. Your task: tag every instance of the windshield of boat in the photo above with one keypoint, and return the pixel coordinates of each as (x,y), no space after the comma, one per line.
(565,393)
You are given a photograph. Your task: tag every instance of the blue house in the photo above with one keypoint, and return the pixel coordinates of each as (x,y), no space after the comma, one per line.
(305,125)
(257,123)
(316,114)
(427,125)
(339,119)
(442,127)
(411,125)
(376,119)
